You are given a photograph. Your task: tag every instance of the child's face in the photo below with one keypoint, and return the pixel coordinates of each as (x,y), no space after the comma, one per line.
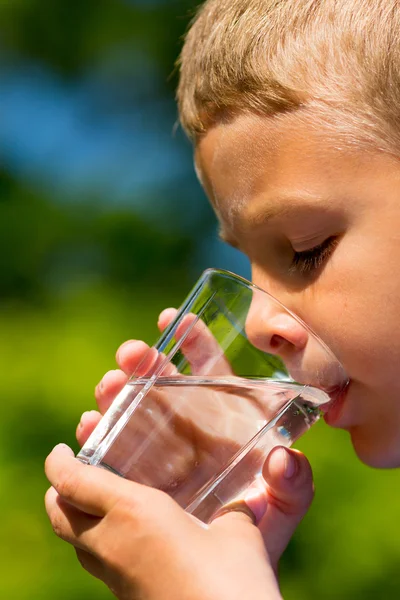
(279,188)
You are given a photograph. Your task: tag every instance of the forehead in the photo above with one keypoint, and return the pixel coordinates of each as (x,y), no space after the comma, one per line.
(267,160)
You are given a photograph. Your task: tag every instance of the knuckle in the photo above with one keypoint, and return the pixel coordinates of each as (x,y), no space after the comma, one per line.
(57,524)
(68,485)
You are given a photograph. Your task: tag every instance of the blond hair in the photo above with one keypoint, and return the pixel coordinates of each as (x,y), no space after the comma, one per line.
(339,59)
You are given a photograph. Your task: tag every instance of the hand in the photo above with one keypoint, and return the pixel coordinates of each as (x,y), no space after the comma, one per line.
(198,429)
(144,546)
(137,539)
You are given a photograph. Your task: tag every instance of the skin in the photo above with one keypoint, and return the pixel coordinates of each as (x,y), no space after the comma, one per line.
(141,544)
(278,186)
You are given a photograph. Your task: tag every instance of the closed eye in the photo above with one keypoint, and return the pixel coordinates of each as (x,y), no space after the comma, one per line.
(313,259)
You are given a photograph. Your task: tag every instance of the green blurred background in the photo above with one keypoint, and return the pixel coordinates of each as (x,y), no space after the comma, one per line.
(102,225)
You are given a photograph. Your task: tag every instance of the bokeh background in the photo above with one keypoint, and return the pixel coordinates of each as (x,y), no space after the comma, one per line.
(103,224)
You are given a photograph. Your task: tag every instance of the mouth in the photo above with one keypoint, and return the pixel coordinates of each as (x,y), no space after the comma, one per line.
(334,409)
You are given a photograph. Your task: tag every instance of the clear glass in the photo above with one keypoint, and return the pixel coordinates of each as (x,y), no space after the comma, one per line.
(234,375)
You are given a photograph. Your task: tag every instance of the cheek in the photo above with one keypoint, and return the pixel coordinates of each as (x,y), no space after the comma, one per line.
(354,306)
(356,312)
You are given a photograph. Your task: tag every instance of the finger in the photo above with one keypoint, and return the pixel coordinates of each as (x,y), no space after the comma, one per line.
(164,367)
(69,523)
(166,318)
(233,517)
(239,518)
(90,489)
(199,347)
(253,503)
(108,388)
(114,381)
(136,358)
(239,525)
(290,492)
(88,422)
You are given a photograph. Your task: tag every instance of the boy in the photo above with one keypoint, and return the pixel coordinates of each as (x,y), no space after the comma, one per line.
(292,106)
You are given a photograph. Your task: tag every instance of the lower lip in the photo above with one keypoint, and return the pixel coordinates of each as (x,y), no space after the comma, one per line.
(334,412)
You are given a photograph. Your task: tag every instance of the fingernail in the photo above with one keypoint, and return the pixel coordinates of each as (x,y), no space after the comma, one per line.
(167,314)
(122,347)
(85,416)
(62,447)
(290,465)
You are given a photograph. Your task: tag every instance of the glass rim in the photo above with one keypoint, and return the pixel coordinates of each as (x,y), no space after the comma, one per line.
(223,273)
(240,381)
(108,437)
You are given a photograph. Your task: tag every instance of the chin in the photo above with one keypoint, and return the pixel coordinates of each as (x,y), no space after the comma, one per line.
(376,451)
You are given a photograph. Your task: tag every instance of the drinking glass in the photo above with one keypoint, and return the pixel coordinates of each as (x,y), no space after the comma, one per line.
(234,375)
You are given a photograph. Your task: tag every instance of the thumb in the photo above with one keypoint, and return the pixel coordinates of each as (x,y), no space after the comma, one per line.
(247,510)
(290,491)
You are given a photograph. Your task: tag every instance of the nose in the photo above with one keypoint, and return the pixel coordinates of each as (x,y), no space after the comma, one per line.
(273,329)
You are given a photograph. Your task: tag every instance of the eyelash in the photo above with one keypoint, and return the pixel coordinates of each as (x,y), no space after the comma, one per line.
(312,259)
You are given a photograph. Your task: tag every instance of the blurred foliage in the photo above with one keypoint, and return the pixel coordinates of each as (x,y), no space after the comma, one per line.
(48,248)
(89,261)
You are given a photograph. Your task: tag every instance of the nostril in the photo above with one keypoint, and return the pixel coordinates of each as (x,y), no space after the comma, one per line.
(276,342)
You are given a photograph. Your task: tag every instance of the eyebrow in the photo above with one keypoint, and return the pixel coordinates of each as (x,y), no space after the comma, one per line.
(277,206)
